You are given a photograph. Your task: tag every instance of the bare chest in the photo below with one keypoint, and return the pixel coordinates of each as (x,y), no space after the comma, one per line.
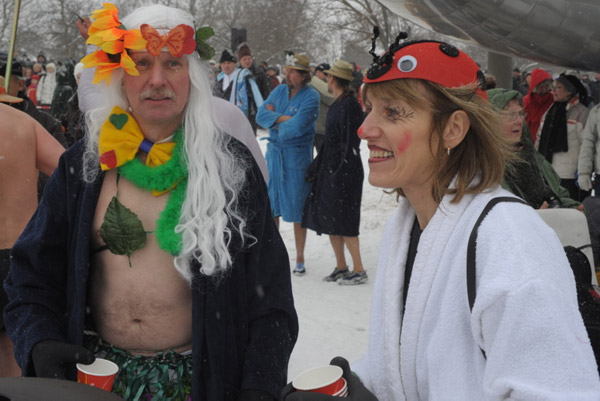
(136,299)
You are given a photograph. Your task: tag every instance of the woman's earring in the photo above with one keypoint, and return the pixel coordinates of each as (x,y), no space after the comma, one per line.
(130,110)
(448,150)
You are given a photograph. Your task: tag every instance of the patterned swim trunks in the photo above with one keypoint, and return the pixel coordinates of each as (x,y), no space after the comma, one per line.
(166,376)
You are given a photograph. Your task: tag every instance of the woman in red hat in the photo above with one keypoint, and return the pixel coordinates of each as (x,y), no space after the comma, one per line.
(512,328)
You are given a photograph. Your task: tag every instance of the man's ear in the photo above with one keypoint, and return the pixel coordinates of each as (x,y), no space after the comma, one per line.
(456,129)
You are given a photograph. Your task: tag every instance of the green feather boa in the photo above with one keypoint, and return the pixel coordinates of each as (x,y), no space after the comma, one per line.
(162,178)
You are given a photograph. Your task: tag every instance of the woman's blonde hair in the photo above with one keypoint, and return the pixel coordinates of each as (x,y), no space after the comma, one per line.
(478,162)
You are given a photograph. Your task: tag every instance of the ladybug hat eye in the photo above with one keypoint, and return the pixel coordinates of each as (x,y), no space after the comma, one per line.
(407,63)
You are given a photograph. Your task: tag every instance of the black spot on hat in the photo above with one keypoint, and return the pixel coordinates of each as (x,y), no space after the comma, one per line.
(377,70)
(481,80)
(449,50)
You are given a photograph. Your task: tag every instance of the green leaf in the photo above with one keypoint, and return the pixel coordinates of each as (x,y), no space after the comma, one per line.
(204,33)
(205,51)
(122,230)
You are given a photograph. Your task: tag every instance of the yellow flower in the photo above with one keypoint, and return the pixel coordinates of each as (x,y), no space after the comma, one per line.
(108,33)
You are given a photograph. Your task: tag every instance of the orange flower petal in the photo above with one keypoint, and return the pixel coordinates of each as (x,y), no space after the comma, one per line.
(94,59)
(104,72)
(108,10)
(128,64)
(133,40)
(111,34)
(104,67)
(113,47)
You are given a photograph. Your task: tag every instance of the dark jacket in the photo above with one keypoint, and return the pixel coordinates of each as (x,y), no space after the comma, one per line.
(244,323)
(51,124)
(62,93)
(74,121)
(333,204)
(262,80)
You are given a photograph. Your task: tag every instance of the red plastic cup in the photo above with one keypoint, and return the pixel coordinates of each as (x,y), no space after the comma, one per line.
(325,379)
(99,374)
(343,391)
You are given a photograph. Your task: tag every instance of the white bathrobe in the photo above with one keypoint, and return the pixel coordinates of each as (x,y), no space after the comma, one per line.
(525,315)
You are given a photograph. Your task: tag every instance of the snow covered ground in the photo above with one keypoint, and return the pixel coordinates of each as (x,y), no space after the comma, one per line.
(334,319)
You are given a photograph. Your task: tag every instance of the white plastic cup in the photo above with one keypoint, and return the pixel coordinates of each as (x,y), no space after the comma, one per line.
(326,379)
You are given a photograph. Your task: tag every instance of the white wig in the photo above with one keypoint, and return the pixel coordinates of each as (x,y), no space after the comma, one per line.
(214,176)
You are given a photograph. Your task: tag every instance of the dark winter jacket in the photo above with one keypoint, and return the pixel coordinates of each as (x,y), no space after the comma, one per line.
(333,204)
(62,93)
(244,324)
(51,124)
(262,80)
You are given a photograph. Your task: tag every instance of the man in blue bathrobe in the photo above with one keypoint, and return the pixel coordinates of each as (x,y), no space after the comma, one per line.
(290,113)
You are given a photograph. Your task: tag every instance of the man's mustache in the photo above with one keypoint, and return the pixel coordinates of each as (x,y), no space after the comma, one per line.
(159,93)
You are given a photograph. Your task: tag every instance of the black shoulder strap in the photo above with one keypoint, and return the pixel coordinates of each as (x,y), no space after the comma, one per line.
(471,248)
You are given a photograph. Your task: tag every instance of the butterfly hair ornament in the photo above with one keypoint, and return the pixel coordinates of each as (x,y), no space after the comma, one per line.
(114,40)
(429,60)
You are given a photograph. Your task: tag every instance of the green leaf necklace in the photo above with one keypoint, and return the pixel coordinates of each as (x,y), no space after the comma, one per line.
(122,231)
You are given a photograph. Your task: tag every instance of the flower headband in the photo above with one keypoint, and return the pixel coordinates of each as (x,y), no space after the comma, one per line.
(108,33)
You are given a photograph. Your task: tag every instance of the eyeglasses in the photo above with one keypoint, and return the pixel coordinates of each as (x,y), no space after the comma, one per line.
(513,115)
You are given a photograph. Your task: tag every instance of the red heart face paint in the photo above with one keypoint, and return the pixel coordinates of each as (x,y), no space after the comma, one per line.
(404,143)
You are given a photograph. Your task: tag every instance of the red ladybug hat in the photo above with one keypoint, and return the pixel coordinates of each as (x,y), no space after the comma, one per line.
(433,61)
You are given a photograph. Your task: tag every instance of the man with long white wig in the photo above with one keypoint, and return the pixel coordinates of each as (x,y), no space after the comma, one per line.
(154,245)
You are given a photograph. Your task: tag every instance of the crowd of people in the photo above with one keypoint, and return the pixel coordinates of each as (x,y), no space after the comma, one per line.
(155,242)
(49,93)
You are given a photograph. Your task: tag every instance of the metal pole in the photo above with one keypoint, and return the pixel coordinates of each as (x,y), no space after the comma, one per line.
(11,48)
(501,66)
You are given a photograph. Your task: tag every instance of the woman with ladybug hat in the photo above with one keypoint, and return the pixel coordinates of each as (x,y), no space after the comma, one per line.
(507,326)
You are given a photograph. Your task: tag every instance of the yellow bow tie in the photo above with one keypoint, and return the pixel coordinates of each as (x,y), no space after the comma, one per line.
(121,138)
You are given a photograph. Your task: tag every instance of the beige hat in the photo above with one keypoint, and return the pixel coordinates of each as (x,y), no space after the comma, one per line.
(4,98)
(341,69)
(297,62)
